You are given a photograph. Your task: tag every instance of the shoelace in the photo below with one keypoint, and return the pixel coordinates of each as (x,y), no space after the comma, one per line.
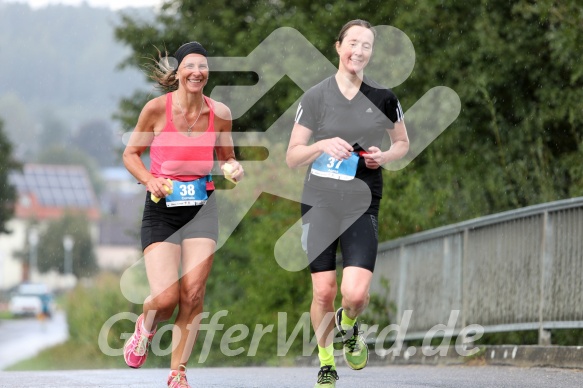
(142,345)
(352,343)
(180,379)
(327,375)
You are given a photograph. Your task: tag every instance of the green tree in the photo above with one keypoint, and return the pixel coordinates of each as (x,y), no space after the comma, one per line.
(515,143)
(516,139)
(51,254)
(7,190)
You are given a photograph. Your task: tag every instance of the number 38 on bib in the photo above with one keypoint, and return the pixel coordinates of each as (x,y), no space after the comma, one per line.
(328,167)
(191,193)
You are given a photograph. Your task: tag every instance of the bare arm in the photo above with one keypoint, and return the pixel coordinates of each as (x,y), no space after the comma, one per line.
(224,148)
(399,148)
(139,141)
(299,153)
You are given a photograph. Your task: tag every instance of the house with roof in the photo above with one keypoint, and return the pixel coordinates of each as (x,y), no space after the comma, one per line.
(121,204)
(44,193)
(47,192)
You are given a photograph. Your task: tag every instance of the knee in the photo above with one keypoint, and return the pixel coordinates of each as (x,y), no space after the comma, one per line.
(356,301)
(164,304)
(324,294)
(192,297)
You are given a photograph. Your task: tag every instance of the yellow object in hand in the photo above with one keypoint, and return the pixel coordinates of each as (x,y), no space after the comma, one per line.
(228,171)
(167,188)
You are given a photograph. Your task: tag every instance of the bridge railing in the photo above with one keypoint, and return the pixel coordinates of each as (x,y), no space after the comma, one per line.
(517,270)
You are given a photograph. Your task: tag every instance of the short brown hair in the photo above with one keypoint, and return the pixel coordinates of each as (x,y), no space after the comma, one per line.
(352,23)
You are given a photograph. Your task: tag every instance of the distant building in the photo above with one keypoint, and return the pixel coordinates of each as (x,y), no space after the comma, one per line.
(44,193)
(121,204)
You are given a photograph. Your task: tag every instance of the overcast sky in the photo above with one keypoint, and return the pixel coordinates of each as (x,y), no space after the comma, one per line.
(113,4)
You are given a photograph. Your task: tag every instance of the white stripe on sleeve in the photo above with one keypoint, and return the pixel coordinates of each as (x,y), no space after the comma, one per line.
(299,113)
(400,114)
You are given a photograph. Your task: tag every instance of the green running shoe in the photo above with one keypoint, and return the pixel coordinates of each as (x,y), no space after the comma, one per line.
(355,349)
(326,377)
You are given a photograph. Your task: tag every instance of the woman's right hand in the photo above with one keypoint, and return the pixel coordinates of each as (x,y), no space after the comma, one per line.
(156,187)
(336,147)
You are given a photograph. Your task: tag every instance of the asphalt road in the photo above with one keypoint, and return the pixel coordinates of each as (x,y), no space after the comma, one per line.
(24,338)
(371,377)
(20,339)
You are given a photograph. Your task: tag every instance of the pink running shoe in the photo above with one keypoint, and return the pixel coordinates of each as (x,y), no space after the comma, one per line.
(177,378)
(135,350)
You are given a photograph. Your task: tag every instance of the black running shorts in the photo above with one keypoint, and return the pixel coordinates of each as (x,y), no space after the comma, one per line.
(175,224)
(335,219)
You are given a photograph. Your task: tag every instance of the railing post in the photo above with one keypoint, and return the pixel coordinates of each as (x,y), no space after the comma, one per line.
(402,280)
(544,336)
(464,286)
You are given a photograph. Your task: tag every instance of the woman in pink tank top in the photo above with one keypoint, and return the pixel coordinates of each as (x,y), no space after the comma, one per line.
(184,130)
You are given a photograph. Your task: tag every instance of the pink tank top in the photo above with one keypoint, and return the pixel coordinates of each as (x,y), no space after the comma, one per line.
(182,158)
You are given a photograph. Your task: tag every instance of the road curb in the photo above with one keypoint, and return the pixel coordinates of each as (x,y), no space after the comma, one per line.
(509,355)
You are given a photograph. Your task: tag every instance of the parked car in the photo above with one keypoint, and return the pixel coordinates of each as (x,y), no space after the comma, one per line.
(25,305)
(31,299)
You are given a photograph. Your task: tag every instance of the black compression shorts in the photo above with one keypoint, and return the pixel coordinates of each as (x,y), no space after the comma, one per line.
(335,219)
(174,224)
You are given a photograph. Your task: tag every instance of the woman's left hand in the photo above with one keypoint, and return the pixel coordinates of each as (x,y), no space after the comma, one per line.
(374,158)
(237,172)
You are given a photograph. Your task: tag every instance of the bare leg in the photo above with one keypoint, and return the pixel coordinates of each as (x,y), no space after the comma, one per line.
(322,308)
(197,259)
(162,260)
(355,290)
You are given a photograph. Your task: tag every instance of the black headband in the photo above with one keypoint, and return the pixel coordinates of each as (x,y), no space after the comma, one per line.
(189,48)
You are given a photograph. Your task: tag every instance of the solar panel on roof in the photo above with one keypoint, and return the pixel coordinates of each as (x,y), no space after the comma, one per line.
(43,197)
(60,186)
(76,175)
(48,180)
(20,184)
(30,182)
(86,197)
(57,196)
(80,195)
(68,196)
(42,181)
(64,180)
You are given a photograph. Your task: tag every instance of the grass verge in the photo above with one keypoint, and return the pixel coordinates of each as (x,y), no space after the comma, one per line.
(68,356)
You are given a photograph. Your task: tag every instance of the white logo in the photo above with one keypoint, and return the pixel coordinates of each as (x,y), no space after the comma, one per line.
(269,61)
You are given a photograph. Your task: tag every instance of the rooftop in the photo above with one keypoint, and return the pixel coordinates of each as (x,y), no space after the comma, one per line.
(46,191)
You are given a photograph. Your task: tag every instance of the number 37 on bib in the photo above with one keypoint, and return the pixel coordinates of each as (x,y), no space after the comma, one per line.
(328,167)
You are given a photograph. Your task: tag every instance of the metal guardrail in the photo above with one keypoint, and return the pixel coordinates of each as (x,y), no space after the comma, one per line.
(517,270)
